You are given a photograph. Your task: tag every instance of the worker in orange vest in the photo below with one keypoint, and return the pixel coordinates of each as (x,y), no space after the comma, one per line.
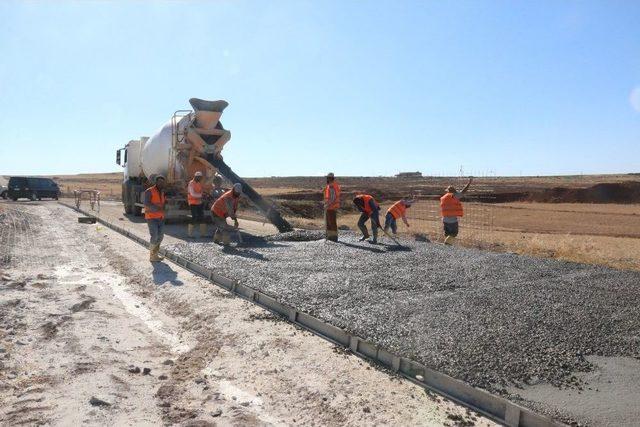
(194,198)
(451,210)
(368,207)
(397,210)
(154,204)
(331,206)
(226,206)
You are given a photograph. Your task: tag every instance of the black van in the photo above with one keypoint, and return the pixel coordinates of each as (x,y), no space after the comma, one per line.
(32,188)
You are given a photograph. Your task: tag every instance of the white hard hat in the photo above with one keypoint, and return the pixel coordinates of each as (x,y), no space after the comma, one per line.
(237,187)
(198,173)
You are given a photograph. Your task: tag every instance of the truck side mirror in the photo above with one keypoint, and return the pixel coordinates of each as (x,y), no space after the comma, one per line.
(118,157)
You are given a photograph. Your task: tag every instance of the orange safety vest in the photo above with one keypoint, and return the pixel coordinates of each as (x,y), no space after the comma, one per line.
(197,187)
(397,210)
(366,199)
(219,207)
(158,199)
(327,194)
(450,206)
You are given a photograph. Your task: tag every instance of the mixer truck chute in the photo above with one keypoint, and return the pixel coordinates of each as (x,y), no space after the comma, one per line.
(191,141)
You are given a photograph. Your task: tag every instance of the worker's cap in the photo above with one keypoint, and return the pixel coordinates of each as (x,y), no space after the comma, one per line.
(330,175)
(237,187)
(408,202)
(157,177)
(198,173)
(450,189)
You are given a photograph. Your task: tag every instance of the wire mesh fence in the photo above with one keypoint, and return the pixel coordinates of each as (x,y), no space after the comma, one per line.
(425,221)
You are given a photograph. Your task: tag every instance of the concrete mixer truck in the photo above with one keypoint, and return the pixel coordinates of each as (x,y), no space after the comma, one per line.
(191,141)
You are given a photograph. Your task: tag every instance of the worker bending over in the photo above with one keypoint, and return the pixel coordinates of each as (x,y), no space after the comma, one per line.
(397,210)
(331,206)
(194,197)
(154,203)
(451,209)
(370,209)
(226,206)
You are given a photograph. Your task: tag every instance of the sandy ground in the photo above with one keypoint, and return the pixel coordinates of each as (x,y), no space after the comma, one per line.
(82,311)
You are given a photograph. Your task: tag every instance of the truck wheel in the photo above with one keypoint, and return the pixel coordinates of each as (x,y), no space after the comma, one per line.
(127,209)
(33,197)
(137,210)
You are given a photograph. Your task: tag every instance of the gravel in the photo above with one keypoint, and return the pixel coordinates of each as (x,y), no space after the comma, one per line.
(493,320)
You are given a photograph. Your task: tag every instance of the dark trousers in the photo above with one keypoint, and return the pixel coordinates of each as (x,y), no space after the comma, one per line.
(156,230)
(375,221)
(197,213)
(390,221)
(450,229)
(331,223)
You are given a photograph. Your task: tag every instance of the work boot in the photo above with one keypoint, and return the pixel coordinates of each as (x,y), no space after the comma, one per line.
(190,230)
(160,257)
(449,240)
(203,230)
(365,232)
(226,238)
(153,253)
(216,237)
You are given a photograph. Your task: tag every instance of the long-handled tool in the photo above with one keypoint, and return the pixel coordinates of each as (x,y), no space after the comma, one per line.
(386,233)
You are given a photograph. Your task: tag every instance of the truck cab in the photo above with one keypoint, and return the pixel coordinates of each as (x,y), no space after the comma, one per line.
(132,184)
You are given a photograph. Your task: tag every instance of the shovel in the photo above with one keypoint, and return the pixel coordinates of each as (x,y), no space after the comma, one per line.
(387,234)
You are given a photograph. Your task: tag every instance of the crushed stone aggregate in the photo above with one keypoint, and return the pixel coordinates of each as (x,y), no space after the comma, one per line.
(493,320)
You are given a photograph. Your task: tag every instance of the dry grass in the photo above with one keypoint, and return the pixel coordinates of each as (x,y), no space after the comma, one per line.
(616,252)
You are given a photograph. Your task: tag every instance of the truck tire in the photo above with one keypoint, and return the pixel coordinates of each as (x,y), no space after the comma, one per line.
(33,197)
(126,199)
(133,197)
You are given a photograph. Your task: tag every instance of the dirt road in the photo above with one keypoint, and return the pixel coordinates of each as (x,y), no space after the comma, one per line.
(92,333)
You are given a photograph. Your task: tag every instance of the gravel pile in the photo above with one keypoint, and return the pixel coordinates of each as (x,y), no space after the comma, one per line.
(492,320)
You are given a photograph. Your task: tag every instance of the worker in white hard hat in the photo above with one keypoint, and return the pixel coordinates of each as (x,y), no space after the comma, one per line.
(331,206)
(226,206)
(218,190)
(451,210)
(194,198)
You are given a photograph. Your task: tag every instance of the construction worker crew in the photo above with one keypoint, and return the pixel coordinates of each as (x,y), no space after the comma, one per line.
(194,198)
(369,209)
(154,204)
(331,206)
(451,210)
(397,210)
(226,206)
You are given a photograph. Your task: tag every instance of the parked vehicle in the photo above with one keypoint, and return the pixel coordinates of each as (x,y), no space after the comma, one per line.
(24,187)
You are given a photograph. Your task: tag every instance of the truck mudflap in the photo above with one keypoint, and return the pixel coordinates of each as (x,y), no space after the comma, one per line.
(269,211)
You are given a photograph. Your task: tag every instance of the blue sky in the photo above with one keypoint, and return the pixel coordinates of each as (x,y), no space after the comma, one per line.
(356,87)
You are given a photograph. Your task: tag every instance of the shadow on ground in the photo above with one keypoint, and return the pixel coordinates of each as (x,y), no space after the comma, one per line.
(163,273)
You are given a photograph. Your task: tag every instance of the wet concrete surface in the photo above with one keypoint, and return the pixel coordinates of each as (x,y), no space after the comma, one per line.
(494,320)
